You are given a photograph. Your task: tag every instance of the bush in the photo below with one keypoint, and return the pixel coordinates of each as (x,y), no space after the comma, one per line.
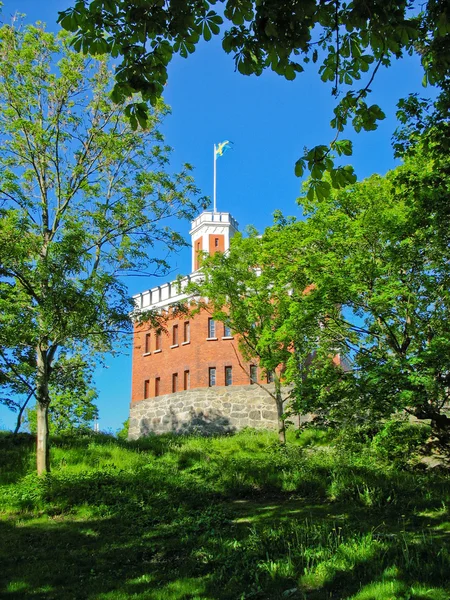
(400,441)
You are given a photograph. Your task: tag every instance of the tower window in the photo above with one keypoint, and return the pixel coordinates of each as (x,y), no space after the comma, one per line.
(227,331)
(216,242)
(174,382)
(187,332)
(158,340)
(212,376)
(175,335)
(211,328)
(157,386)
(147,343)
(146,388)
(253,374)
(228,375)
(187,380)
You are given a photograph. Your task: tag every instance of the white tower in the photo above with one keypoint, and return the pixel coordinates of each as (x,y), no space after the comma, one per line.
(211,232)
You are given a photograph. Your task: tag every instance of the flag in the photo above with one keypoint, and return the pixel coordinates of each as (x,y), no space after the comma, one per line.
(222,147)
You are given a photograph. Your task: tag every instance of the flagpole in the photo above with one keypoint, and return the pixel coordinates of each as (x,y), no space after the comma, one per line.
(215,178)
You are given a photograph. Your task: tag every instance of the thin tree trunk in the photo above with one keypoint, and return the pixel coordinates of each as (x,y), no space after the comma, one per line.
(21,411)
(42,447)
(43,401)
(279,402)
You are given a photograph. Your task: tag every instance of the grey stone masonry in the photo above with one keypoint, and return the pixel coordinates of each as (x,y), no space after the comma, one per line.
(205,410)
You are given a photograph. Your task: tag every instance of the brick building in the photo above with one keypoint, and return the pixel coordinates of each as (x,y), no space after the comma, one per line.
(191,378)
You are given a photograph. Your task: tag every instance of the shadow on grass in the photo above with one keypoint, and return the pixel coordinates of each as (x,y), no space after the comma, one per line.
(189,544)
(186,522)
(16,456)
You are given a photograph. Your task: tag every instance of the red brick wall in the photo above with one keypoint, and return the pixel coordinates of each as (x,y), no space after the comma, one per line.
(197,357)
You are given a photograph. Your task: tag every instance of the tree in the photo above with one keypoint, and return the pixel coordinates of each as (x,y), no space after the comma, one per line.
(83,201)
(349,42)
(378,254)
(240,291)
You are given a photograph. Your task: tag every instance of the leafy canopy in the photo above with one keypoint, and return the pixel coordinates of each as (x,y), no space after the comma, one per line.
(347,41)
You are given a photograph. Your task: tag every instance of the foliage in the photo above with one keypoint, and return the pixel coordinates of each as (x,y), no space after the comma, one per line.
(83,201)
(348,42)
(374,261)
(233,517)
(122,434)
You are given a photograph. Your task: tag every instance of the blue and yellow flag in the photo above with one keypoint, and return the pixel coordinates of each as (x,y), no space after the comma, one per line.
(223,147)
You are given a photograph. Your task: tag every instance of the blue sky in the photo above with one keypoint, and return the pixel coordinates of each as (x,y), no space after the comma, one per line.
(270,121)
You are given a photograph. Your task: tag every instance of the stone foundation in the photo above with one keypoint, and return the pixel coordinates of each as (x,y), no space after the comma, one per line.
(204,410)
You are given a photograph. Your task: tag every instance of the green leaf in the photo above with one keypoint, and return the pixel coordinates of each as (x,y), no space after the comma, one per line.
(300,167)
(206,33)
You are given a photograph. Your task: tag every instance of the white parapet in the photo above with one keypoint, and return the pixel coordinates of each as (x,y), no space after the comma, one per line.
(161,297)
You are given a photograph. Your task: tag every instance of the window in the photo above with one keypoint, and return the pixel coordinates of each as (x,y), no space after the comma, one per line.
(198,256)
(174,382)
(157,386)
(187,380)
(211,328)
(187,332)
(175,335)
(146,388)
(269,376)
(147,343)
(216,242)
(253,373)
(227,331)
(228,376)
(158,340)
(212,376)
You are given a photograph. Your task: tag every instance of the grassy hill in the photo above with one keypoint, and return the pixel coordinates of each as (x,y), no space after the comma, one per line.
(237,517)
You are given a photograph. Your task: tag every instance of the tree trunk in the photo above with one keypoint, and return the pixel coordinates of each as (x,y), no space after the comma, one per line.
(42,447)
(440,423)
(42,403)
(280,412)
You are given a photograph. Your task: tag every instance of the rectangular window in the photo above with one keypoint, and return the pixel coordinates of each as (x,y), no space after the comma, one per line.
(157,386)
(187,332)
(187,380)
(175,335)
(158,340)
(227,331)
(174,382)
(216,242)
(253,373)
(212,376)
(269,376)
(211,328)
(146,388)
(147,343)
(228,376)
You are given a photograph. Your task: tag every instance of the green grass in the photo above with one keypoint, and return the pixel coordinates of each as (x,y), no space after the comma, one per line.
(236,517)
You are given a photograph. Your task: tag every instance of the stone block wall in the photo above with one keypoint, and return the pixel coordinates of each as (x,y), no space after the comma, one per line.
(212,410)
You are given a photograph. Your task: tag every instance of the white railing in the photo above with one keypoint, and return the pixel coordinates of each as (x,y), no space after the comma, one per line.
(215,217)
(165,294)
